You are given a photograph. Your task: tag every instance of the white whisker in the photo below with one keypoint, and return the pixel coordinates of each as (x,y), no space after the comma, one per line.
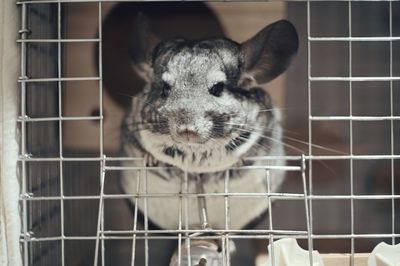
(274,140)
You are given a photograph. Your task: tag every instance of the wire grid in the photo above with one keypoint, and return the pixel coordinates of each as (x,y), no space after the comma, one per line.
(352,156)
(184,235)
(351,118)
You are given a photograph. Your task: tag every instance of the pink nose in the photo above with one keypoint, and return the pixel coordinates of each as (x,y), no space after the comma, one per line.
(188,135)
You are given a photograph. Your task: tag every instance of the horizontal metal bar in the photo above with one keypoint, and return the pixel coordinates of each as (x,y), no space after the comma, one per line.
(156,237)
(353,157)
(272,158)
(97,1)
(353,78)
(29,158)
(44,239)
(191,233)
(79,1)
(62,118)
(276,196)
(204,237)
(354,118)
(135,168)
(57,198)
(307,157)
(123,159)
(28,80)
(88,1)
(321,236)
(268,167)
(252,167)
(357,39)
(313,118)
(57,159)
(265,158)
(57,40)
(203,231)
(357,197)
(281,196)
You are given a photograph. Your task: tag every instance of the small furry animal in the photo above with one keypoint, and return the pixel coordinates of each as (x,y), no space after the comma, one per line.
(202,112)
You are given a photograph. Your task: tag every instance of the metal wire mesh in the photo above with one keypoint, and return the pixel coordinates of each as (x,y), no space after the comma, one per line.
(140,239)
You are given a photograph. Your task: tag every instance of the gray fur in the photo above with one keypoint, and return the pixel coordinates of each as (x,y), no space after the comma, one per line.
(221,124)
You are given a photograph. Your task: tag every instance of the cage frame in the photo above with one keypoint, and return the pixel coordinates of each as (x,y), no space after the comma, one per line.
(308,195)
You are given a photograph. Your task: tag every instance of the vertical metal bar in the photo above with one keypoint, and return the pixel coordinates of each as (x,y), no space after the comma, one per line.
(228,249)
(309,215)
(187,241)
(227,253)
(24,34)
(351,137)
(100,215)
(271,235)
(135,217)
(146,219)
(227,207)
(307,209)
(60,127)
(392,182)
(101,133)
(201,201)
(180,223)
(100,55)
(223,250)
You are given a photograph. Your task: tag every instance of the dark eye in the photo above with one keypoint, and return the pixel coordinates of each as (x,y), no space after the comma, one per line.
(217,89)
(165,89)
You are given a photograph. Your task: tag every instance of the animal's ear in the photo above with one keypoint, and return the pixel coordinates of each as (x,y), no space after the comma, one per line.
(142,44)
(267,54)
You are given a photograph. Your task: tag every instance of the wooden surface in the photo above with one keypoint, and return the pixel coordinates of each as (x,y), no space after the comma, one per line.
(344,259)
(331,260)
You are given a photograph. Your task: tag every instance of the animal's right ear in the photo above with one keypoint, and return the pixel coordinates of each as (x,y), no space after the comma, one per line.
(143,41)
(267,54)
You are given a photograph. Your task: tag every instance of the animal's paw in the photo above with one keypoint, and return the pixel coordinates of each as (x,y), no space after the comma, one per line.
(150,160)
(246,162)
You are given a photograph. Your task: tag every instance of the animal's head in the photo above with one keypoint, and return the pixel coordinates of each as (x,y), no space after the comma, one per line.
(203,105)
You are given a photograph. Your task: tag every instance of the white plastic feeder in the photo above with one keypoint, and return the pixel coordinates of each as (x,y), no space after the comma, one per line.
(288,253)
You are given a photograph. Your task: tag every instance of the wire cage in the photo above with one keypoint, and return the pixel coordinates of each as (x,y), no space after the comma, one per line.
(340,102)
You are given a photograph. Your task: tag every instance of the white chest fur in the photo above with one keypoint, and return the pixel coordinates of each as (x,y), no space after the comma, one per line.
(165,207)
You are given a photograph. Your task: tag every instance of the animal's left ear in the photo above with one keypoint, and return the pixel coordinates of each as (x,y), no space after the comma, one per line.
(269,52)
(143,41)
